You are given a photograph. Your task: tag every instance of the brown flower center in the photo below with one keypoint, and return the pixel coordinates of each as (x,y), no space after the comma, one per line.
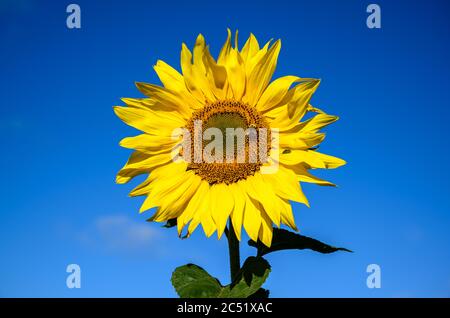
(241,137)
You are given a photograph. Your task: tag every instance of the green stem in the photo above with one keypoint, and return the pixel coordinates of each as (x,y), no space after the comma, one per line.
(233,248)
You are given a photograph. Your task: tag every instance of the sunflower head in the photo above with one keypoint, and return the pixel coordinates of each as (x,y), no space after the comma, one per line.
(221,142)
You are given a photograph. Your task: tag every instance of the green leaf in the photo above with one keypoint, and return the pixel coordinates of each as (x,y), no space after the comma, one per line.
(285,240)
(249,280)
(192,281)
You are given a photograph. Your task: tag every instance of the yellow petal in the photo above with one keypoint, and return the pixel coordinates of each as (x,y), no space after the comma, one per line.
(190,74)
(237,214)
(285,184)
(208,225)
(312,158)
(150,144)
(288,116)
(252,61)
(203,216)
(165,171)
(315,109)
(266,230)
(236,42)
(287,217)
(275,92)
(262,191)
(236,74)
(199,49)
(173,204)
(275,112)
(216,75)
(261,74)
(300,140)
(304,176)
(250,48)
(223,55)
(318,122)
(171,197)
(192,207)
(194,71)
(174,81)
(142,103)
(252,218)
(298,106)
(166,192)
(154,123)
(166,99)
(169,76)
(222,203)
(140,163)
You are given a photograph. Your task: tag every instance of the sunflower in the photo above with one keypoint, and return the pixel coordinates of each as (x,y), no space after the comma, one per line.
(233,91)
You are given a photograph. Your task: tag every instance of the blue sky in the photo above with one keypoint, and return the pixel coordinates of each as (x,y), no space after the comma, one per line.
(60,153)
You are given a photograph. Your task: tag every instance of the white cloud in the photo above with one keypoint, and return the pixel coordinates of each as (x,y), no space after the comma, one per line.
(120,232)
(123,235)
